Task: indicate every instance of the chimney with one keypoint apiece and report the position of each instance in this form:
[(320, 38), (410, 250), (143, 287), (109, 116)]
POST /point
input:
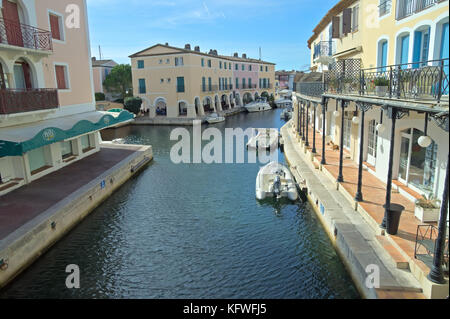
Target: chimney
[(236, 55), (187, 47), (167, 43), (94, 59), (215, 52), (244, 56), (211, 52), (197, 49)]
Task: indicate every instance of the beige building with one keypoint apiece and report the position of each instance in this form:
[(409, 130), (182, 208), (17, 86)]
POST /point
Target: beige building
[(181, 82), (47, 108)]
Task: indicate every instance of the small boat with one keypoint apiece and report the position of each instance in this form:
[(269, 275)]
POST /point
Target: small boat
[(275, 180), (286, 115), (283, 103), (215, 118), (265, 139), (259, 105)]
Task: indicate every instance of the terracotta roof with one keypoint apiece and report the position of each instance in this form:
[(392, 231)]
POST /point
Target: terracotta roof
[(338, 8), (225, 57)]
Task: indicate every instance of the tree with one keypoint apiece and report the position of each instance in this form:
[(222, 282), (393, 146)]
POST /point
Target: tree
[(119, 80), (133, 104)]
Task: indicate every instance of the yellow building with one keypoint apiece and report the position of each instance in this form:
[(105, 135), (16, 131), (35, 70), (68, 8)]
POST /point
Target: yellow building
[(184, 83)]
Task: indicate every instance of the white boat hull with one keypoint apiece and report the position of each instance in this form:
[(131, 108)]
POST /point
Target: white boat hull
[(258, 107), (265, 182)]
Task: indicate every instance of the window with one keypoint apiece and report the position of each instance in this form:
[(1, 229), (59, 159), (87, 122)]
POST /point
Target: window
[(236, 66), (203, 62), (249, 67), (180, 84), (260, 83), (36, 159), (167, 61), (61, 77), (160, 61), (237, 83), (382, 54), (249, 82), (179, 61), (56, 26), (168, 80), (209, 84), (355, 19), (162, 80), (261, 68), (220, 64), (66, 149), (243, 67), (243, 83), (347, 129), (142, 88), (372, 142), (85, 143), (226, 84), (203, 84), (267, 69), (140, 64), (209, 63), (229, 66)]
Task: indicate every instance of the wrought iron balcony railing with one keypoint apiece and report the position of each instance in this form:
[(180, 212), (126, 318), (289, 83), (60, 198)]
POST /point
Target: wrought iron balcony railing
[(25, 36), (324, 48), (14, 101), (209, 88), (428, 80), (248, 86), (384, 7), (406, 8)]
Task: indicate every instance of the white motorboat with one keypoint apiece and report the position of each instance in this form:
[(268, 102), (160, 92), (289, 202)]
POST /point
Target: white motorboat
[(286, 115), (283, 103), (215, 118), (259, 105), (265, 138), (275, 180)]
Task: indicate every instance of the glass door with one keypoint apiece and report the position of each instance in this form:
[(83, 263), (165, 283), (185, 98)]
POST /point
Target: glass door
[(404, 158), (372, 143)]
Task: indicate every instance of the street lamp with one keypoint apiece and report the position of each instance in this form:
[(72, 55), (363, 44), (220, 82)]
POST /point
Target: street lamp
[(425, 141)]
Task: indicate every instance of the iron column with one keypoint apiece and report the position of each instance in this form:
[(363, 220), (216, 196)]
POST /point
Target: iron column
[(340, 177)]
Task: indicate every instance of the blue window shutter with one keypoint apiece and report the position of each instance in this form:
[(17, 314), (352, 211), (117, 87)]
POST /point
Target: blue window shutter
[(142, 88), (417, 48), (404, 51)]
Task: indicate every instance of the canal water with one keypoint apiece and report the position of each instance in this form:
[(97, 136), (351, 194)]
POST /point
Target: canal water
[(191, 231)]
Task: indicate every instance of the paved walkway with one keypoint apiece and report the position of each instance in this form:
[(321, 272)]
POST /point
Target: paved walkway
[(27, 202), (374, 195), (355, 239)]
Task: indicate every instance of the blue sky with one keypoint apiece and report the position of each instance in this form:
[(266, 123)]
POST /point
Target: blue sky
[(280, 27)]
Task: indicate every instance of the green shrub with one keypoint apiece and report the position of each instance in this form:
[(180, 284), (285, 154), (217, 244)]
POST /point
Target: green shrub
[(381, 81), (99, 96), (133, 104)]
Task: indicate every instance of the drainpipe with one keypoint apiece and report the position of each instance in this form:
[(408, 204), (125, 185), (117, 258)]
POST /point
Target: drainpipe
[(359, 195), (340, 177), (436, 274), (307, 123), (324, 110), (314, 130)]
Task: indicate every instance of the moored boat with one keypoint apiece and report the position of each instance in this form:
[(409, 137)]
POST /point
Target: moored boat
[(215, 118), (275, 181), (259, 105)]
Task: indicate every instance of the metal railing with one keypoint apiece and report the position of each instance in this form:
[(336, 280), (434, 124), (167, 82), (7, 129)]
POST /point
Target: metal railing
[(428, 80), (315, 89), (406, 8), (384, 7), (324, 48), (25, 36), (248, 86), (425, 246), (28, 100), (209, 88)]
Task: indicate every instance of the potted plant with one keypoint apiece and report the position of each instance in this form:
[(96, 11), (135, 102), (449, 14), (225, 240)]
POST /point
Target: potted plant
[(427, 208), (381, 86)]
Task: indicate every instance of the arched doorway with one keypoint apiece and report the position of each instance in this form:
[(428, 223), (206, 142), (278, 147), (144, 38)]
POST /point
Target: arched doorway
[(207, 105), (161, 107), (417, 165), (182, 108), (224, 102), (247, 98)]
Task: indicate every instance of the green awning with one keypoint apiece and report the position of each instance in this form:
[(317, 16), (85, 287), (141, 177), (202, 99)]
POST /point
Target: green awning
[(17, 140)]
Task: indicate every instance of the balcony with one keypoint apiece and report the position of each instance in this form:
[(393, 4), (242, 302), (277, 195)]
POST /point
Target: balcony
[(24, 36), (426, 81), (384, 7), (209, 88), (323, 51), (248, 86), (406, 8), (227, 87), (13, 101)]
